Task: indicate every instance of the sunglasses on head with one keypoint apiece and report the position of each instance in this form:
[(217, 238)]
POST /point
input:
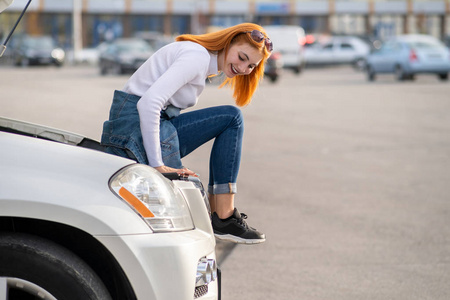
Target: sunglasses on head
[(258, 37)]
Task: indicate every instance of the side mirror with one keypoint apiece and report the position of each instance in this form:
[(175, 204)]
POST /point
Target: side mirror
[(4, 4)]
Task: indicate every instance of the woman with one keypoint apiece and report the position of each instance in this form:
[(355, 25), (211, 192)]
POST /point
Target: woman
[(145, 121)]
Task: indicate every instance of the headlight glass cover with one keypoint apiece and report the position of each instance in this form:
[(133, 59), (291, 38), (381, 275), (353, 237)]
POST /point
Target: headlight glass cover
[(153, 197)]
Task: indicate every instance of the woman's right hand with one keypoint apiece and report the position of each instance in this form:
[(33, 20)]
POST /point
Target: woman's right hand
[(184, 171)]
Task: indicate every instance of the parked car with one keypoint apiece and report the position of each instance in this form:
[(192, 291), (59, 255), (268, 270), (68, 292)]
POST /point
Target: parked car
[(288, 40), (273, 66), (78, 223), (338, 50), (37, 50), (408, 55), (124, 55)]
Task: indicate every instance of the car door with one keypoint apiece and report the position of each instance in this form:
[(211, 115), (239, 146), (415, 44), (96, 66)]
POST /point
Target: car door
[(326, 54), (383, 60), (344, 52)]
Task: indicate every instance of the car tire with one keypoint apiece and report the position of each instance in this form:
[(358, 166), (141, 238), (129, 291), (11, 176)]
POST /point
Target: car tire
[(46, 268), (273, 78), (103, 70), (443, 76), (400, 74), (370, 73)]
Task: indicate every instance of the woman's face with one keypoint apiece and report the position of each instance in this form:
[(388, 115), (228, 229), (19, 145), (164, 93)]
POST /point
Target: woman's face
[(242, 58)]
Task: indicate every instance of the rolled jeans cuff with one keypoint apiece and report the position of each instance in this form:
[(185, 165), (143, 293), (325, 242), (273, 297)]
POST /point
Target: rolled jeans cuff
[(225, 188)]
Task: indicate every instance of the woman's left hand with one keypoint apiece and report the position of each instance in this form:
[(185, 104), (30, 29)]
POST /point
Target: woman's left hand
[(184, 171)]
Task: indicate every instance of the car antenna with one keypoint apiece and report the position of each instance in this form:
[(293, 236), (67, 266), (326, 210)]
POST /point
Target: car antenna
[(3, 47)]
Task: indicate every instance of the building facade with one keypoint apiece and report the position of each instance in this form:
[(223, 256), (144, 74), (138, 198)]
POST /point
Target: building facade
[(106, 19)]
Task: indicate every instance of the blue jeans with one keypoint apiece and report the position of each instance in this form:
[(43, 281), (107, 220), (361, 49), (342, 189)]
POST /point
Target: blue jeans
[(122, 133), (224, 124)]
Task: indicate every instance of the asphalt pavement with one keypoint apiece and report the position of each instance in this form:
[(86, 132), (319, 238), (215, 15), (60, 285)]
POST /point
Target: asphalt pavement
[(350, 180)]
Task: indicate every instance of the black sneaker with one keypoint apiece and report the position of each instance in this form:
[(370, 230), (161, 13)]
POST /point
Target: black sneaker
[(235, 229)]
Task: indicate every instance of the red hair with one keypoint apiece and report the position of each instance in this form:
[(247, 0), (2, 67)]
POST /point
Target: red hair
[(243, 85)]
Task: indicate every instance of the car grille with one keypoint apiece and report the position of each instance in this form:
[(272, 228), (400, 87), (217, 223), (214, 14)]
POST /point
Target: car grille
[(200, 291)]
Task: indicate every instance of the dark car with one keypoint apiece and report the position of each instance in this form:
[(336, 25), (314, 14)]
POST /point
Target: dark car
[(37, 50), (124, 55), (273, 66)]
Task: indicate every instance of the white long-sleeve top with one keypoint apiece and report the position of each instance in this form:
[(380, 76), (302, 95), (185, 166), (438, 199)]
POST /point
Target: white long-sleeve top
[(176, 75)]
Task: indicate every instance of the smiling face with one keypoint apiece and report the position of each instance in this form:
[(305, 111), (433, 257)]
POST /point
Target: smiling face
[(241, 59)]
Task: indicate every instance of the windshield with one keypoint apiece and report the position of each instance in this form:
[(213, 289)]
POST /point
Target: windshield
[(133, 46), (41, 43), (425, 44)]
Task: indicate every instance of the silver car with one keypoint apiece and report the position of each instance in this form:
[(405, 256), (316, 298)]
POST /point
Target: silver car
[(408, 55), (338, 50), (77, 223), (124, 55)]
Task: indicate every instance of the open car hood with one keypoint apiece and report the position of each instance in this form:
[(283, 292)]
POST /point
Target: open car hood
[(4, 4), (47, 133)]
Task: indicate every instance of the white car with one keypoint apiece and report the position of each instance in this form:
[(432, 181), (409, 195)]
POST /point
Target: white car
[(338, 50), (288, 40), (77, 223)]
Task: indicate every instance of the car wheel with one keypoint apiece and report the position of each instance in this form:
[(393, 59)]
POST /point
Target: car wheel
[(273, 78), (370, 73), (103, 70), (400, 73), (32, 267), (443, 76)]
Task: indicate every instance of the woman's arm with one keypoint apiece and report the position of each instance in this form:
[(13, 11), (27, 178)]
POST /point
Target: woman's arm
[(186, 67)]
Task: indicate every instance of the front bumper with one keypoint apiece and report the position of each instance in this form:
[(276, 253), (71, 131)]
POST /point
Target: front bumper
[(438, 68), (164, 265)]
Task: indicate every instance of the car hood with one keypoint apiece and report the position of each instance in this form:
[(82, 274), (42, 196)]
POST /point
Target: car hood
[(61, 182)]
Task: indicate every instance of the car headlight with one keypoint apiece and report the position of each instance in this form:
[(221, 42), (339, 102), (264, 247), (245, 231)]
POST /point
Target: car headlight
[(58, 54), (153, 197)]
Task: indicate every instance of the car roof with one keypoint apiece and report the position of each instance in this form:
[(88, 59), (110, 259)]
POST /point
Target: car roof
[(415, 37)]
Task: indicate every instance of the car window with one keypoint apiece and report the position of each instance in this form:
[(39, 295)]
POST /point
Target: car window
[(388, 46), (328, 46), (130, 46), (346, 46), (111, 49), (424, 45), (39, 43)]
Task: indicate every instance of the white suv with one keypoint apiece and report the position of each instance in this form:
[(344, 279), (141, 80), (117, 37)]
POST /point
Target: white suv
[(77, 223), (288, 40)]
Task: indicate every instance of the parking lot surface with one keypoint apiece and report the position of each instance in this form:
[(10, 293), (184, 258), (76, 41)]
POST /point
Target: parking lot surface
[(348, 179)]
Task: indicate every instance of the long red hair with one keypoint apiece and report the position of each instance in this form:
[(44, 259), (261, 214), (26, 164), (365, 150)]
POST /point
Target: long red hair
[(243, 85)]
